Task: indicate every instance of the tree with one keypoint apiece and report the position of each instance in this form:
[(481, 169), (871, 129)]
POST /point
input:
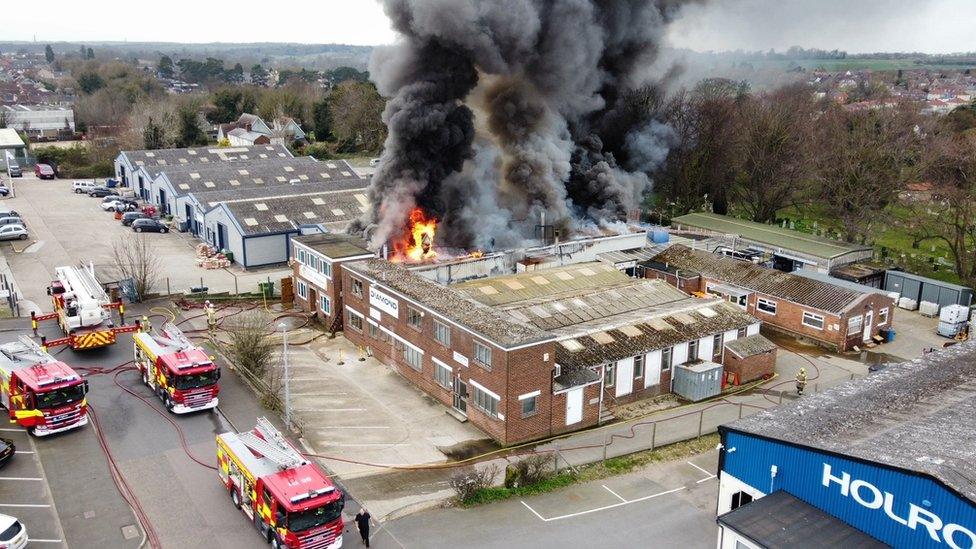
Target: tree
[(259, 76), (165, 67), (90, 82), (250, 348), (773, 148), (135, 259), (230, 103), (153, 135), (49, 54), (236, 74), (189, 133), (90, 54), (322, 120), (357, 110)]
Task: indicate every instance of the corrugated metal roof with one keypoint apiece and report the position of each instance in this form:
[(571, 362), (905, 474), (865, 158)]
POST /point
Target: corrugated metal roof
[(750, 346), (770, 235), (533, 284)]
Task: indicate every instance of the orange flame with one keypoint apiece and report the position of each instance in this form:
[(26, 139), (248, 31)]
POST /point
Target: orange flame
[(417, 242)]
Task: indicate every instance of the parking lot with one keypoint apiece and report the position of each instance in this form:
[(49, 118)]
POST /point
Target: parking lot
[(68, 229), (24, 491)]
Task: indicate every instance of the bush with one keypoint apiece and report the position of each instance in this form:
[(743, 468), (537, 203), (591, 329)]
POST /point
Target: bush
[(470, 481), (320, 151), (529, 470)]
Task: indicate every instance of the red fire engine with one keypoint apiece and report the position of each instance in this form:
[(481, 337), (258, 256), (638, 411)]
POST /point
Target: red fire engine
[(179, 372), (292, 503), (83, 310), (40, 393)]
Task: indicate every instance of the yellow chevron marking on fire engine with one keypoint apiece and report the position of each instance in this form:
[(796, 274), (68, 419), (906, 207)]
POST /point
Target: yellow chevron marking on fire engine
[(94, 339), (24, 414)]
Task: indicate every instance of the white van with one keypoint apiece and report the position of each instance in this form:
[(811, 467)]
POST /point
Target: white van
[(82, 187), (12, 533)]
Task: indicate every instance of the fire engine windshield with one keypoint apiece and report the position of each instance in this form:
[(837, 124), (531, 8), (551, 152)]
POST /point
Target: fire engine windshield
[(60, 397), (196, 380), (304, 520)]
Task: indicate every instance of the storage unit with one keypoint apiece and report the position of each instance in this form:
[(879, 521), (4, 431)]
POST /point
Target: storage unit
[(697, 381), (919, 289)]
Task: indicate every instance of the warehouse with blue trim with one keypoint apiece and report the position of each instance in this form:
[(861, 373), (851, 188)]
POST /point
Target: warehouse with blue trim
[(888, 460)]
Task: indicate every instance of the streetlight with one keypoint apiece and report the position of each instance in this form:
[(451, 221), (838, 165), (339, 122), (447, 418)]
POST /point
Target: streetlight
[(284, 341)]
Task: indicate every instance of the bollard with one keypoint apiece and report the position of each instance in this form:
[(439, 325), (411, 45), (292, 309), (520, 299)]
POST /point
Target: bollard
[(340, 363), (653, 434), (34, 322), (701, 419), (44, 343), (605, 437), (362, 354), (122, 314), (167, 287), (740, 410)]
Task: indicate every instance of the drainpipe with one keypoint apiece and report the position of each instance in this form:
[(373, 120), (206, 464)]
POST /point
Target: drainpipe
[(603, 377)]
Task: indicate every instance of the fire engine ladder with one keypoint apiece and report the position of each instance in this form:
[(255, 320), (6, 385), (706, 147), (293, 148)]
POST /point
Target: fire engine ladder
[(84, 276), (173, 336), (27, 349), (272, 446)]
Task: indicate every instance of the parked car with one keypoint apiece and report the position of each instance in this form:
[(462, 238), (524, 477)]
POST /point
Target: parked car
[(15, 171), (111, 197), (13, 535), (10, 220), (119, 205), (9, 213), (44, 171), (7, 450), (13, 232), (4, 190), (129, 217), (100, 192), (149, 226), (80, 187)]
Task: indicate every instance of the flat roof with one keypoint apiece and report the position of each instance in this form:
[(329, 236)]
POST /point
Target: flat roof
[(284, 213), (782, 521), (791, 287), (501, 290), (839, 282), (916, 415), (770, 235), (9, 138), (334, 245)]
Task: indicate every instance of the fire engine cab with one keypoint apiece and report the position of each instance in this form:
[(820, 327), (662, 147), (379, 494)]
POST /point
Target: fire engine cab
[(83, 310), (292, 503), (180, 373), (41, 394)]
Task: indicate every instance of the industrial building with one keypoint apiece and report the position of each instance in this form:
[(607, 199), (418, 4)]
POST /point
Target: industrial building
[(838, 317), (40, 121), (790, 250), (526, 345), (884, 461)]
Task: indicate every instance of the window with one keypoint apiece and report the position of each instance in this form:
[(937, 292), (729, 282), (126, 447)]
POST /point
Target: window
[(355, 321), (485, 402), (442, 375), (717, 345), (610, 375), (529, 404), (855, 324), (883, 317), (666, 359), (442, 333), (301, 256), (414, 318), (692, 350), (326, 305), (739, 499), (357, 287), (482, 354), (813, 321), (766, 306), (325, 268), (374, 331), (742, 332), (413, 357), (302, 290), (639, 366)]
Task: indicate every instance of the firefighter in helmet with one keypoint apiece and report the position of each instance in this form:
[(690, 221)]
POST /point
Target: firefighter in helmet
[(211, 316), (146, 324), (801, 381)]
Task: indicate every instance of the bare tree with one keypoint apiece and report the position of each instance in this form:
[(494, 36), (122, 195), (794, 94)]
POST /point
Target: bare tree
[(251, 348), (134, 258)]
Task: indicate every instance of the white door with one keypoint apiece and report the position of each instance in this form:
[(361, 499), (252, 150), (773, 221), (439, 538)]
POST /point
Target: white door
[(868, 322), (574, 406), (652, 369), (625, 377)]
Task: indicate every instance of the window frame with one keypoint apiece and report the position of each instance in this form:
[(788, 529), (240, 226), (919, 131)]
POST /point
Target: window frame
[(325, 304), (718, 343), (478, 346), (696, 345), (639, 361), (439, 328), (480, 399), (883, 313), (357, 287), (859, 329), (303, 290), (415, 318), (357, 317), (667, 364), (408, 352), (807, 314), (610, 375), (760, 302), (439, 370), (534, 399)]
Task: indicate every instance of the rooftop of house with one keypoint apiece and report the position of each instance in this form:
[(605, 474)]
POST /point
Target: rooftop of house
[(335, 245), (270, 172), (915, 415), (791, 287), (331, 209), (201, 155), (750, 346), (769, 235), (450, 303)]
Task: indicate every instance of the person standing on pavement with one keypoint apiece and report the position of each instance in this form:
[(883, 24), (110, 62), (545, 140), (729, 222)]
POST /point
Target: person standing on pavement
[(362, 522), (801, 381)]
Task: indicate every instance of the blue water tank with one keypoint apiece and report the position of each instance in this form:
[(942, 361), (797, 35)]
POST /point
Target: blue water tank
[(891, 335), (660, 237)]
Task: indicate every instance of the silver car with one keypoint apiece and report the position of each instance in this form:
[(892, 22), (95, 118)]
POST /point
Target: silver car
[(13, 232)]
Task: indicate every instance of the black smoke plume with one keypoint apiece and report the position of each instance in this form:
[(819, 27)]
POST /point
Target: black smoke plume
[(505, 110)]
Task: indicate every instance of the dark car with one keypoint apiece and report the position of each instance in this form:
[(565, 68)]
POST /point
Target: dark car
[(100, 192), (149, 226), (4, 190), (129, 217), (7, 450), (15, 171), (43, 171)]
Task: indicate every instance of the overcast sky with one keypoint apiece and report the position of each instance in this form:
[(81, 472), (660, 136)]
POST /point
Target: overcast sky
[(935, 26)]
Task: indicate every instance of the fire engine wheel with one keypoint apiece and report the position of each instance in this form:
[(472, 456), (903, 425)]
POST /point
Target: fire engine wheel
[(235, 497), (275, 542), (169, 403)]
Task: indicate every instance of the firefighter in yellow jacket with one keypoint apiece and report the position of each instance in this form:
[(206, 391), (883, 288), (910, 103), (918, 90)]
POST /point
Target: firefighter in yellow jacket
[(801, 381)]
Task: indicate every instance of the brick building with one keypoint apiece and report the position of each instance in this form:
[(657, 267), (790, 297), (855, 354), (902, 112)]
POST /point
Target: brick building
[(531, 355), (317, 261), (837, 317)]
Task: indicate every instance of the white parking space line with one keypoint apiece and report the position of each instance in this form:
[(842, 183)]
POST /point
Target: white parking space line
[(35, 540), (6, 430), (23, 452), (354, 427), (699, 468), (706, 479), (21, 478), (328, 409), (612, 492), (29, 505), (604, 508)]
